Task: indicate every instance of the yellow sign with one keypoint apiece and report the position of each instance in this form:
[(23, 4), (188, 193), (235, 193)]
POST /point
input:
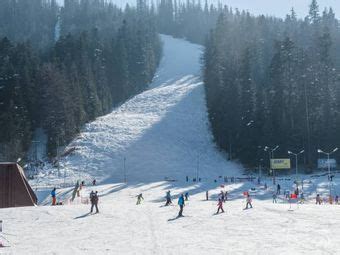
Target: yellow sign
[(282, 163)]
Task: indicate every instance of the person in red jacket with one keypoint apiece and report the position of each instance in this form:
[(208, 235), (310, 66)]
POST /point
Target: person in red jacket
[(220, 206)]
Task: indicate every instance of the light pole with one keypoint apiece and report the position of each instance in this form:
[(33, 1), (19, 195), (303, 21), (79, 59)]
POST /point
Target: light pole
[(271, 155), (329, 166), (125, 176), (260, 168), (296, 159)]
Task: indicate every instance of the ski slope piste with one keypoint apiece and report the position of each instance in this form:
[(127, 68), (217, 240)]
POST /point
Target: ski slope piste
[(163, 132)]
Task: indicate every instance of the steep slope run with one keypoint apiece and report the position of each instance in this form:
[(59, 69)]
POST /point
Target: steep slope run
[(160, 133)]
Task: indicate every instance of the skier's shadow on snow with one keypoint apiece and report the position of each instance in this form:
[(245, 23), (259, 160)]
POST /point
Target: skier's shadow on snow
[(83, 216), (176, 218)]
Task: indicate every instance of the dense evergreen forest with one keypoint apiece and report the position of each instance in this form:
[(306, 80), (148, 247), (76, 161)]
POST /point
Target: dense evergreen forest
[(63, 66), (274, 82), (268, 81), (191, 20)]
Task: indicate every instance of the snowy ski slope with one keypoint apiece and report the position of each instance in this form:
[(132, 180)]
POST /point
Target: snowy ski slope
[(121, 227), (162, 132)]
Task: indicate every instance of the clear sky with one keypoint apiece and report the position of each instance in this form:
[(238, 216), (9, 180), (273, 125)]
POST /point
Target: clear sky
[(277, 8), (281, 7)]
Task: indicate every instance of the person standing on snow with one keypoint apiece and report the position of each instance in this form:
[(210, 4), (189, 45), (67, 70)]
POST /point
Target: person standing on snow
[(302, 198), (94, 201), (336, 200), (220, 206), (221, 196), (278, 190), (318, 199), (139, 198), (168, 198), (249, 202), (207, 195), (274, 198), (181, 205), (186, 196), (75, 190), (54, 198)]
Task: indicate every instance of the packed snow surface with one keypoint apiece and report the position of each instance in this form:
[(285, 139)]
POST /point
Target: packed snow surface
[(122, 227), (160, 133)]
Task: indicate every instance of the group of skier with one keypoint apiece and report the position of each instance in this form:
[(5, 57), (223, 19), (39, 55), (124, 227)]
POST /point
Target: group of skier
[(222, 198), (180, 202)]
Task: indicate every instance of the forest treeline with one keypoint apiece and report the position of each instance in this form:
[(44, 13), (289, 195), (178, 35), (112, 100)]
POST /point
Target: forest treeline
[(64, 66), (191, 20), (272, 82), (268, 81)]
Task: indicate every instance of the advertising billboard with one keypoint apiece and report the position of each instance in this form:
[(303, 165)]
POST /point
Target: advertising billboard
[(283, 163), (323, 163)]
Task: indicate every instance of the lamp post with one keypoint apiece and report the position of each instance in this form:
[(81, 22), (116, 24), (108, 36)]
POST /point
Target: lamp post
[(329, 166), (260, 168), (271, 155), (296, 160), (124, 167)]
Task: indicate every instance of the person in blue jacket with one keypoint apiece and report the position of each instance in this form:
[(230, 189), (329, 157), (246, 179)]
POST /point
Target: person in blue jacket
[(181, 205), (53, 195)]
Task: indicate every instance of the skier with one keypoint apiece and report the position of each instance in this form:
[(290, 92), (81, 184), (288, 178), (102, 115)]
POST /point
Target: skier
[(278, 190), (318, 199), (226, 196), (168, 198), (94, 201), (249, 202), (139, 198), (75, 190), (274, 198), (207, 195), (53, 194), (330, 199), (181, 205), (336, 200), (186, 196), (94, 182), (79, 188), (220, 206), (287, 194), (221, 196), (302, 198)]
